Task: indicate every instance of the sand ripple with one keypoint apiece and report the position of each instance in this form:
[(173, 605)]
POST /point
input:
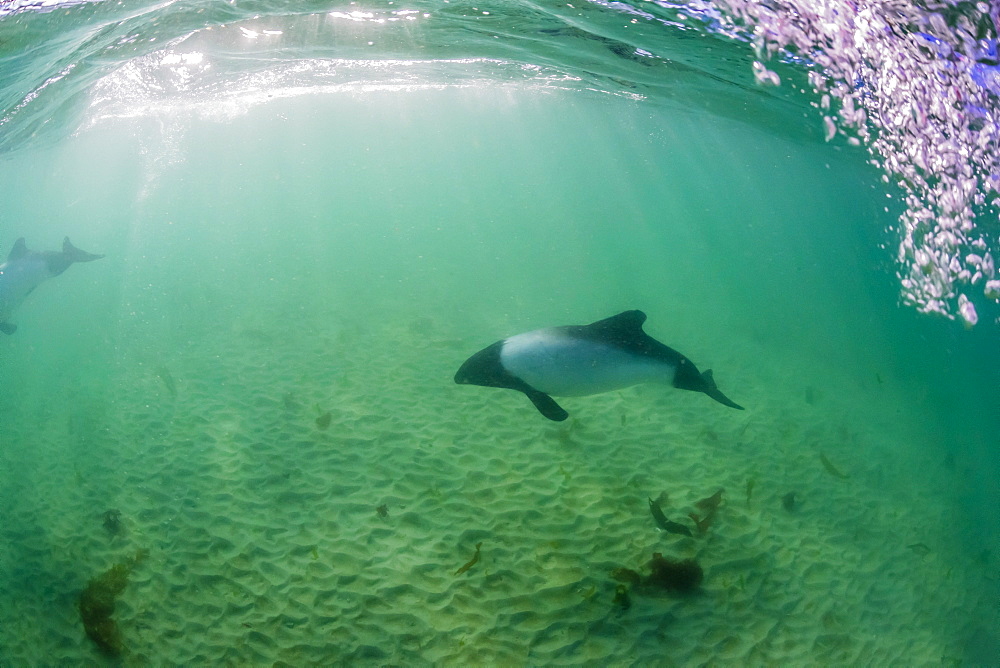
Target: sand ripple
[(266, 545)]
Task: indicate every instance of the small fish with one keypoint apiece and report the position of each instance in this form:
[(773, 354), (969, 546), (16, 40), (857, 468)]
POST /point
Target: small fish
[(288, 400), (258, 335), (626, 575), (750, 484), (113, 521), (654, 508), (622, 600), (168, 380), (677, 527), (323, 421), (709, 504), (472, 562), (703, 523), (664, 523), (788, 501), (831, 469)]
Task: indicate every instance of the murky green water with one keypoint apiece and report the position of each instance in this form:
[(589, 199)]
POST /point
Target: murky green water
[(280, 243)]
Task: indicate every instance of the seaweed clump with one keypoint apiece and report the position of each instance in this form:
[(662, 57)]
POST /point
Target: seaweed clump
[(97, 605), (680, 577), (708, 507), (676, 577)]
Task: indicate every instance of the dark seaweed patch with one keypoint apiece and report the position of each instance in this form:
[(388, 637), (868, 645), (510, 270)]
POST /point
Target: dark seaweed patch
[(97, 605)]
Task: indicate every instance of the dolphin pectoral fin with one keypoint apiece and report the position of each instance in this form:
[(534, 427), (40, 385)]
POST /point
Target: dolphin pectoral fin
[(546, 405), (712, 390), (7, 328)]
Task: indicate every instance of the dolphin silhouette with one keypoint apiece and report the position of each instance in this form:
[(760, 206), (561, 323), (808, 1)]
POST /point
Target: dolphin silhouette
[(580, 360), (25, 270)]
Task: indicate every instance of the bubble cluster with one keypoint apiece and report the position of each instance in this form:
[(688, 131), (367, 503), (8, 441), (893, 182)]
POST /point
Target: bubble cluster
[(917, 83)]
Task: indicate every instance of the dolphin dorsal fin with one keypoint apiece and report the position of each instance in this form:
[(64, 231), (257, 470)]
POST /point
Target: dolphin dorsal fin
[(19, 250), (626, 326), (624, 331)]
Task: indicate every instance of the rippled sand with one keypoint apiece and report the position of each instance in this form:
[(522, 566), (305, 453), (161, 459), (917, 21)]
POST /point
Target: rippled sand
[(266, 544)]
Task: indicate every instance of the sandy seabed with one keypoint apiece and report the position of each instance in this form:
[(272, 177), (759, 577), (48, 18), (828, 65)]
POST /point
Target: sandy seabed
[(266, 544)]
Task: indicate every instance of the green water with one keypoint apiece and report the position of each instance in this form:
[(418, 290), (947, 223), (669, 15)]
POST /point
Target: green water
[(346, 250), (483, 209), (481, 203)]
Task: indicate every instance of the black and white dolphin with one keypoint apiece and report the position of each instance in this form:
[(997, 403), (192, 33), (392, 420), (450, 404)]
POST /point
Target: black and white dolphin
[(25, 270), (580, 360)]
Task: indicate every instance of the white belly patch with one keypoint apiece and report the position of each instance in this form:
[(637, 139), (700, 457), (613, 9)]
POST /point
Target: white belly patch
[(556, 364)]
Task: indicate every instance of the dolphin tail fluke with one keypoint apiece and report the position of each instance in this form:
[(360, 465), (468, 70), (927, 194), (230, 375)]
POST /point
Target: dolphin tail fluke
[(74, 254), (712, 390)]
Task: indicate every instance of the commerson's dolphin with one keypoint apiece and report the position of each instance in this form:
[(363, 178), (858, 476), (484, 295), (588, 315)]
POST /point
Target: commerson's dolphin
[(579, 360), (25, 270)]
